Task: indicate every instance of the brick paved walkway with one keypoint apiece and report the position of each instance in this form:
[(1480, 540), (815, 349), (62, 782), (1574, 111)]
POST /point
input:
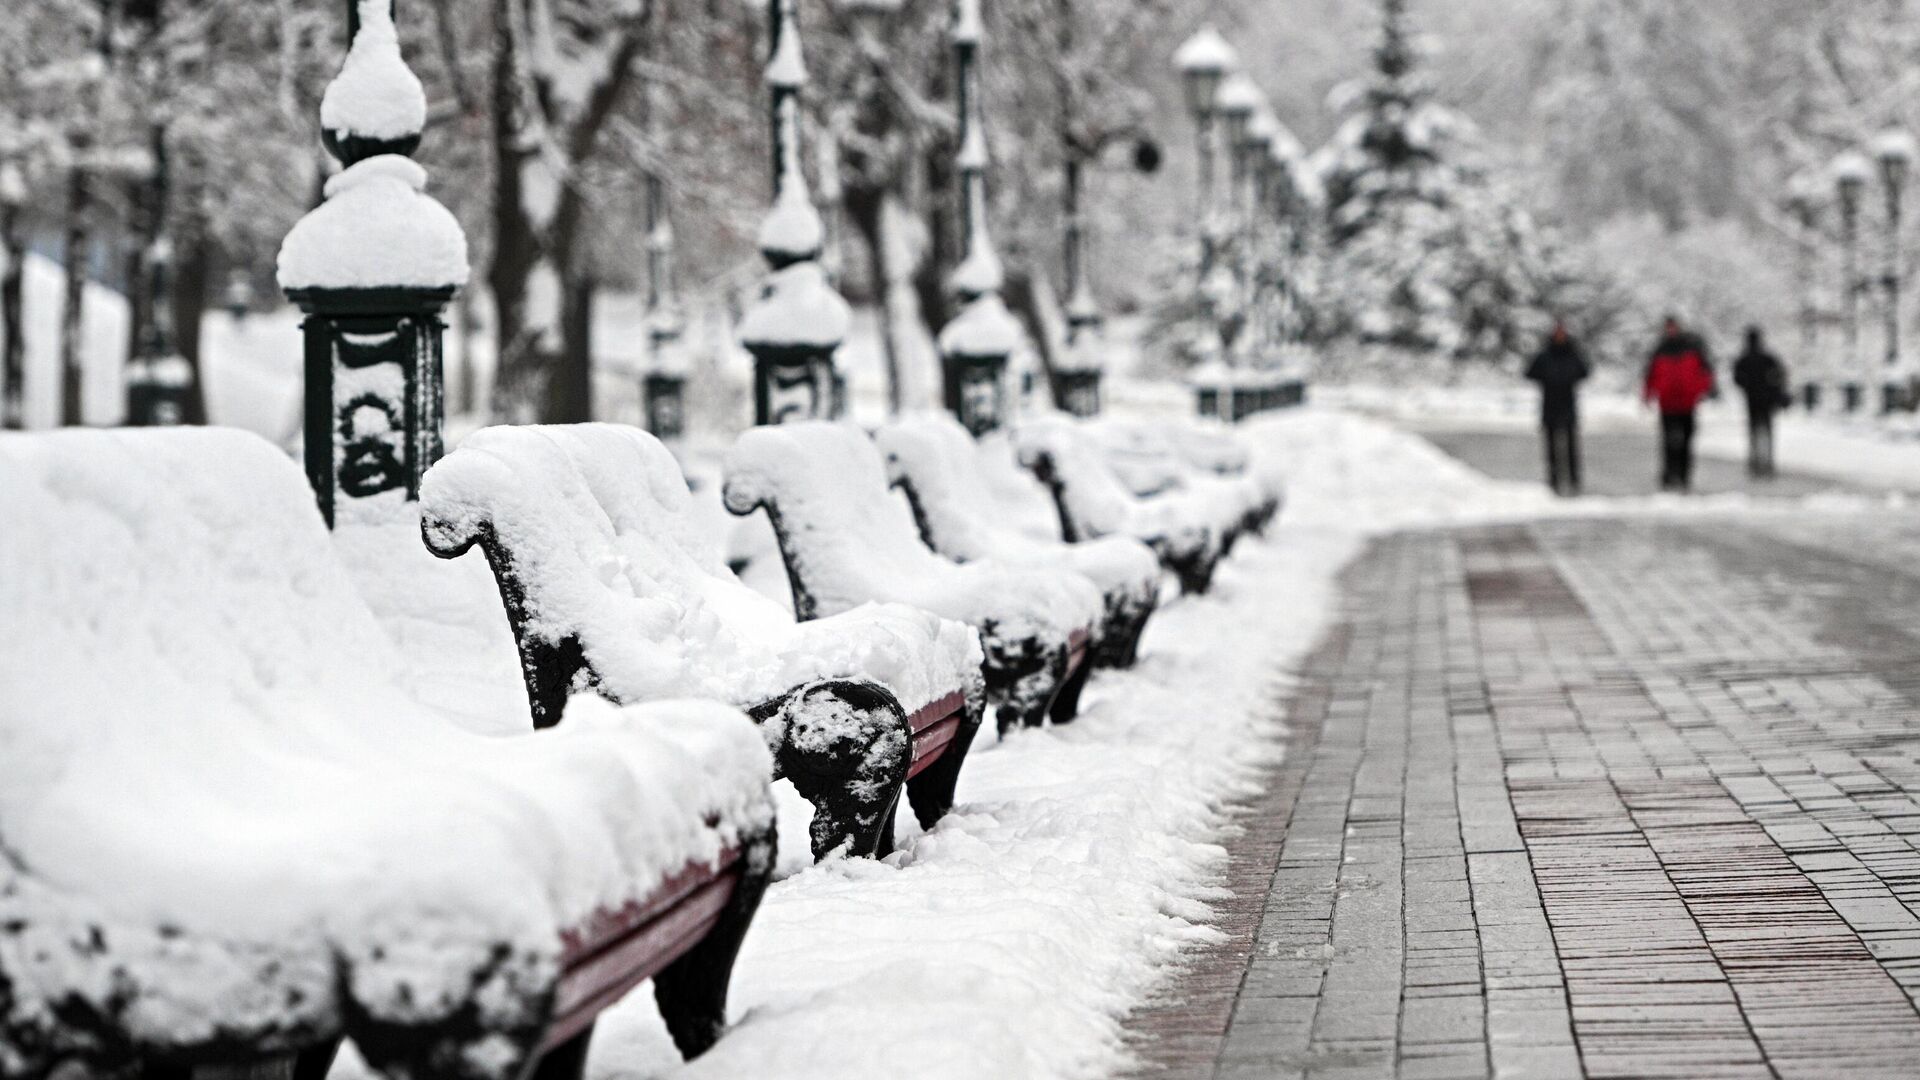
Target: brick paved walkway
[(1619, 463), (1610, 799)]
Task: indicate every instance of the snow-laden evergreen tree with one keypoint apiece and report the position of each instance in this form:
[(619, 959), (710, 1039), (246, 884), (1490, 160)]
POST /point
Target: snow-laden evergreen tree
[(1426, 251)]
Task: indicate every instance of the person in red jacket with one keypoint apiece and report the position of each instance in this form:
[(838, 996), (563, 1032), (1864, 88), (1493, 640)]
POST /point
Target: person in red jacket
[(1679, 377)]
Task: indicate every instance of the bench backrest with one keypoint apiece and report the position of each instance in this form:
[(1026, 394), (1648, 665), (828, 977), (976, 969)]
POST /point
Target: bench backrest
[(1143, 457), (172, 594), (1093, 502), (845, 536), (601, 561), (933, 460)]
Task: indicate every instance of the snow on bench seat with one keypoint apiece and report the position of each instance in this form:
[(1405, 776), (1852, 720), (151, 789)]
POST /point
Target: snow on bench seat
[(848, 541), (611, 584), (1151, 461), (933, 460), (225, 832)]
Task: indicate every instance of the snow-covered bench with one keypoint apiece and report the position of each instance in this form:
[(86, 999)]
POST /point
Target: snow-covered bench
[(227, 837), (936, 464), (1191, 531), (610, 584), (847, 541), (1211, 465)]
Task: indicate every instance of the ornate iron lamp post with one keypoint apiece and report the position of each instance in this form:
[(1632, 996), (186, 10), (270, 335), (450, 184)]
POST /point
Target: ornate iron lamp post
[(373, 268), (798, 322), (1894, 150), (1203, 62), (1077, 374), (1851, 173), (977, 343), (1803, 206)]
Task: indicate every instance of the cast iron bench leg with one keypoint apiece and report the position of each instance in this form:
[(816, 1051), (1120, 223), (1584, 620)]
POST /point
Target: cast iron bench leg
[(1025, 686), (692, 991), (568, 1061), (1066, 700), (1119, 646), (931, 793)]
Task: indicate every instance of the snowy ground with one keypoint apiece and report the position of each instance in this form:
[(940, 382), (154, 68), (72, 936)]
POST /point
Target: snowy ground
[(1012, 940)]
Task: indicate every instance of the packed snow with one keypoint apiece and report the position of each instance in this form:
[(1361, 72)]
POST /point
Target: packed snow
[(797, 308), (983, 328), (224, 816), (848, 541), (375, 96), (377, 229), (940, 466)]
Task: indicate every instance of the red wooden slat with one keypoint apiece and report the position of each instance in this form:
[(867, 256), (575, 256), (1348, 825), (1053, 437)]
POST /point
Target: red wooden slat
[(934, 727), (599, 980), (936, 711), (930, 743), (604, 927)]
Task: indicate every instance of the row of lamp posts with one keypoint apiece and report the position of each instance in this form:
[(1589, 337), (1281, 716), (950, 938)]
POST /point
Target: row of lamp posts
[(374, 266), (1229, 108), (798, 322), (1888, 158)]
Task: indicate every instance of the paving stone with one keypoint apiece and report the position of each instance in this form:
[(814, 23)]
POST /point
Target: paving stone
[(1585, 798)]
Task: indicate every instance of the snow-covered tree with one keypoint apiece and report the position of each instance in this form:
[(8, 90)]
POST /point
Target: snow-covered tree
[(560, 70), (1427, 251)]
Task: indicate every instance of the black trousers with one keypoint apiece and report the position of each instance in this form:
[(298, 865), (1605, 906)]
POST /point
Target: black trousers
[(1676, 451), (1563, 455), (1760, 442)]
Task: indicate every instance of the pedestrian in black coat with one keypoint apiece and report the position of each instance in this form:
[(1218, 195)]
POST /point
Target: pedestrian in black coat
[(1559, 369), (1763, 379)]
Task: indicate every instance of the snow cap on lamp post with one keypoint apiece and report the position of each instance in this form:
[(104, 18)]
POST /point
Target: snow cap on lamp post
[(798, 321), (1851, 172), (1203, 60), (1238, 99), (1895, 149), (373, 267), (976, 344)]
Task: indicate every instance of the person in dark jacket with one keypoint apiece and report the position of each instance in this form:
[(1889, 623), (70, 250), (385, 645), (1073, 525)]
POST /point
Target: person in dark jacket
[(1763, 379), (1679, 377), (1559, 369)]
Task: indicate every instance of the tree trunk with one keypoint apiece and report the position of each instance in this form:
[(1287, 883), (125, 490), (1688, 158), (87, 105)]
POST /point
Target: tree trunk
[(139, 296), (943, 227), (78, 241), (515, 248), (1031, 297), (570, 390), (13, 248), (192, 287), (468, 398), (866, 208)]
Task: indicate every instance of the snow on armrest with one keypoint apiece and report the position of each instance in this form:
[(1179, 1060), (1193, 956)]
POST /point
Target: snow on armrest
[(207, 769)]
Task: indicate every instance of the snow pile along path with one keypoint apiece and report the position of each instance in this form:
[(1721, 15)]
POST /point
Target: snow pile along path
[(1012, 939)]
